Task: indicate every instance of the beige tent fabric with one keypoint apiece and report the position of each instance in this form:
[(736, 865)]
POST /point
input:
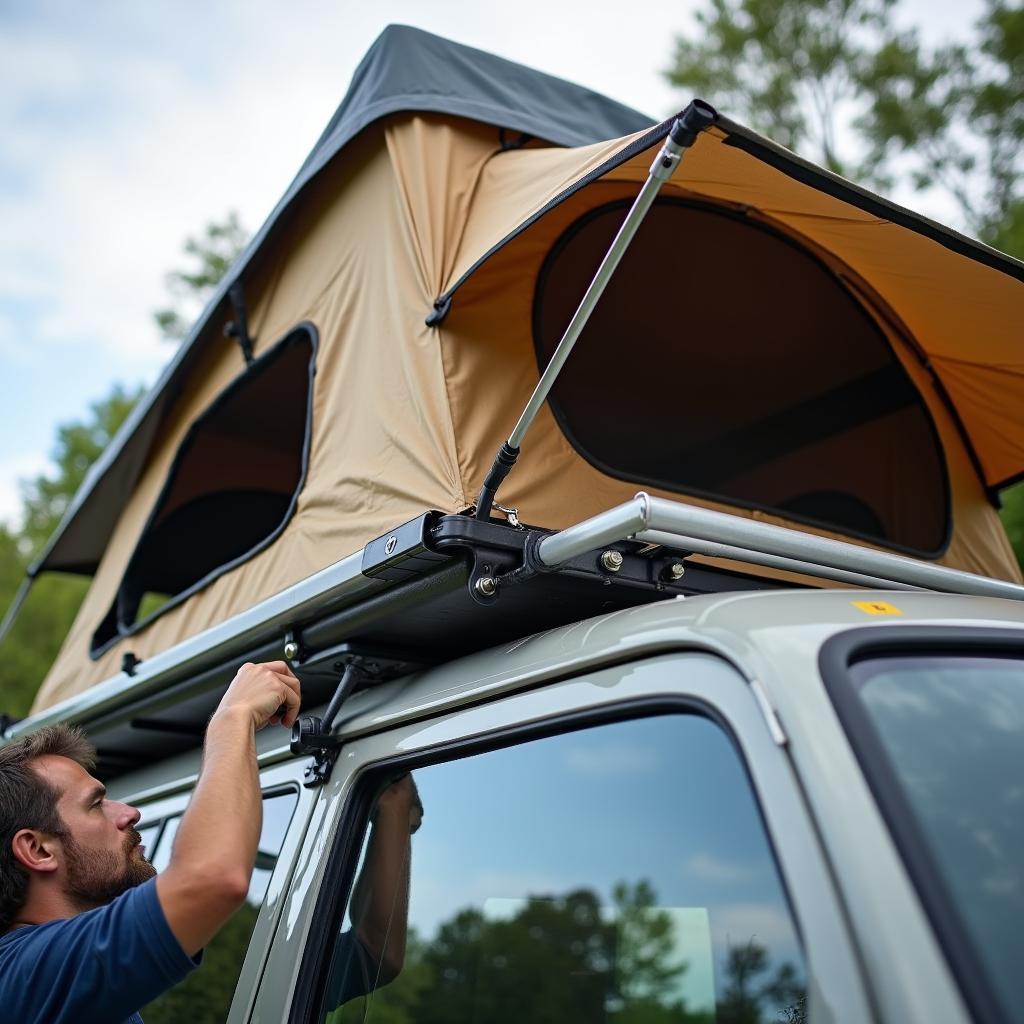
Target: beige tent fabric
[(407, 417), (966, 317), (357, 265)]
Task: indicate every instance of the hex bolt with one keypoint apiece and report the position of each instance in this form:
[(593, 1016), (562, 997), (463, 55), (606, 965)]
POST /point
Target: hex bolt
[(611, 560), (291, 650), (675, 571), (487, 586)]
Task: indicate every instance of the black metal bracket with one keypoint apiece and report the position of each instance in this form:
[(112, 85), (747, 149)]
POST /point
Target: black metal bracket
[(239, 327), (440, 310), (501, 556), (357, 665)]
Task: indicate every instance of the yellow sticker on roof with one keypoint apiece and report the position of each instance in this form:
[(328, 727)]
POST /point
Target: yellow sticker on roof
[(876, 607)]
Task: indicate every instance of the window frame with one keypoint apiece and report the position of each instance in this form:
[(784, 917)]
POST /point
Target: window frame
[(838, 654), (305, 329), (856, 300), (276, 778), (744, 727)]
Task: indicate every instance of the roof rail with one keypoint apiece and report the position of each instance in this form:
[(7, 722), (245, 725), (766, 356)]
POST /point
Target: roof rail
[(721, 535), (449, 570)]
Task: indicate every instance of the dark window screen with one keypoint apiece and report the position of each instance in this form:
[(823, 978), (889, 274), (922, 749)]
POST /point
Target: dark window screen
[(231, 489), (726, 361)]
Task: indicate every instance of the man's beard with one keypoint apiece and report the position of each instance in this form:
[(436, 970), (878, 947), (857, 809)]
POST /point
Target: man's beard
[(97, 877)]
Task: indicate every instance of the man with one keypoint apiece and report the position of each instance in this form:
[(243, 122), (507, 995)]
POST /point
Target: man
[(88, 932)]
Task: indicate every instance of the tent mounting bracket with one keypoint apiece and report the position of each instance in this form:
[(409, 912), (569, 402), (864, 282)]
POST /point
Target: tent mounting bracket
[(314, 735), (440, 310), (239, 327)]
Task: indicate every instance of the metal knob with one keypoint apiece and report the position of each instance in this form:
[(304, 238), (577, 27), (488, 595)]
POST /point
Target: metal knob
[(611, 560)]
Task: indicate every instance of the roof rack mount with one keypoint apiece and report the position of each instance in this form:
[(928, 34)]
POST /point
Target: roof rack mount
[(722, 535)]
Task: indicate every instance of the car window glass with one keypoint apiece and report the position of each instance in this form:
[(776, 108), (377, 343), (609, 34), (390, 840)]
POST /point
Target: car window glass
[(205, 996), (615, 874), (162, 856), (953, 730), (149, 835)]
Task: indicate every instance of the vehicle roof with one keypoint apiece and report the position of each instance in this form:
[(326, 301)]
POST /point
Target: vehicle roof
[(774, 637), (750, 629)]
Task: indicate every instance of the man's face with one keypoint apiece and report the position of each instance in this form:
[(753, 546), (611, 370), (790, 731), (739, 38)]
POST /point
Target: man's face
[(102, 853)]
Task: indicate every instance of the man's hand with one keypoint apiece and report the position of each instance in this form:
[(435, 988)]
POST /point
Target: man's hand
[(268, 693), (401, 802)]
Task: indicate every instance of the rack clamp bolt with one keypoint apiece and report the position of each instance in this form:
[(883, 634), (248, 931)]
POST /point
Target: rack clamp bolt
[(611, 560), (292, 647), (674, 572), (486, 586)]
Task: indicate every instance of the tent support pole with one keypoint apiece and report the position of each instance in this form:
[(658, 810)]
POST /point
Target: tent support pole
[(693, 120)]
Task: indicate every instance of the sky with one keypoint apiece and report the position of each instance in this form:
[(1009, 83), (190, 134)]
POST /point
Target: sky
[(126, 127)]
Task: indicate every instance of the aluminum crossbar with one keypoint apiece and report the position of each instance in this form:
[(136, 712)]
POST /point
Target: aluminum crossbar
[(719, 534)]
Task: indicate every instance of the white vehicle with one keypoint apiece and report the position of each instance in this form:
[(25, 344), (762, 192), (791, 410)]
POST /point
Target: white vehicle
[(741, 747)]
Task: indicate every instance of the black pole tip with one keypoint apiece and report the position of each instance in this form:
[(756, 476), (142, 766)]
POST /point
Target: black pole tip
[(691, 122)]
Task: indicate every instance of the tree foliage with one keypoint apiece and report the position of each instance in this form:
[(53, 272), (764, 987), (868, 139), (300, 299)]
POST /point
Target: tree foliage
[(565, 959), (788, 67), (79, 444), (838, 82), (210, 255), (44, 621)]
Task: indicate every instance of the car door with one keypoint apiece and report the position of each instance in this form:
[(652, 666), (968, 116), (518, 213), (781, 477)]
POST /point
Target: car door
[(628, 844), (224, 986)]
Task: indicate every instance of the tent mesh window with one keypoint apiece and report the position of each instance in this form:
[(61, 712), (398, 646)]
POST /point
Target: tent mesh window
[(725, 361), (231, 489)]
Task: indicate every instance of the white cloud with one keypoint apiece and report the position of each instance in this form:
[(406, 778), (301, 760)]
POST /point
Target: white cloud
[(704, 867), (12, 472), (611, 760), (766, 924)]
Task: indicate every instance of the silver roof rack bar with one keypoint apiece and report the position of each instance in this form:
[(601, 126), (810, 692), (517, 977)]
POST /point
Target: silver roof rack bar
[(714, 550), (673, 524)]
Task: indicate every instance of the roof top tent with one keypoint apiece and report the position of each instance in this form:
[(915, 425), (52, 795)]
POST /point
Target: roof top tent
[(777, 344)]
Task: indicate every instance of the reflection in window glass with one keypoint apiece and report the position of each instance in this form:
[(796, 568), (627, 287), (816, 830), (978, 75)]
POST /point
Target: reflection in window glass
[(617, 874), (205, 996), (162, 857), (149, 835), (954, 731)]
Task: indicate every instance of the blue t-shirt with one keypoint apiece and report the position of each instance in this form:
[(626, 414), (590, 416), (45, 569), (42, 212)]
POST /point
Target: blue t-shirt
[(96, 968)]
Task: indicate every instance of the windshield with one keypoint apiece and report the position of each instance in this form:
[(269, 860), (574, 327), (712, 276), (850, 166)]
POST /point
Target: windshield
[(952, 731)]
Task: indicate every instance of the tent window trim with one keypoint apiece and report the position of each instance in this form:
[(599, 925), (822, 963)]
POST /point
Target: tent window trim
[(304, 332), (562, 242)]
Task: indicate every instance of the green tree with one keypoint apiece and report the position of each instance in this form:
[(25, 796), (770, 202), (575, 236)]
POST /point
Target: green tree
[(79, 444), (949, 118), (558, 959), (39, 630), (789, 68), (748, 993), (29, 649), (211, 254)]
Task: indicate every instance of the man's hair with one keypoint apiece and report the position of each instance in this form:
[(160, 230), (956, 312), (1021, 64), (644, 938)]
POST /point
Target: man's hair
[(27, 800)]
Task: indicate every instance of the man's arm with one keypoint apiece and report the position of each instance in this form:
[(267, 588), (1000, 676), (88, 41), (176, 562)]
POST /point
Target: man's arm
[(380, 900), (211, 865)]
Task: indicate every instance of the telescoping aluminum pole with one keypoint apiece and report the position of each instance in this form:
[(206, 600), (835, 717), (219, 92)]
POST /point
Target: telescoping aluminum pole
[(693, 120)]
